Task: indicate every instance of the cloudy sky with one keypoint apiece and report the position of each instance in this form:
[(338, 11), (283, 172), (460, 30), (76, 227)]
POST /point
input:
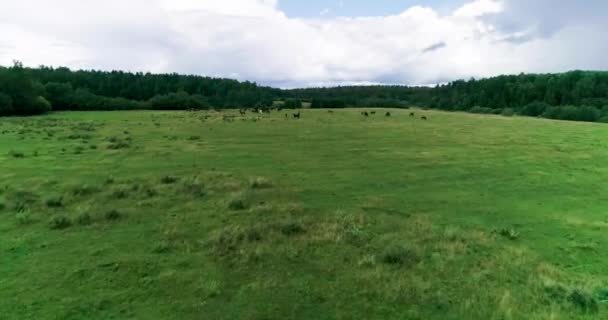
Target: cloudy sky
[(294, 43)]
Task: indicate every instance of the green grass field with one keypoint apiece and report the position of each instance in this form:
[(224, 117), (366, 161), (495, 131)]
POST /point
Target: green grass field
[(206, 215)]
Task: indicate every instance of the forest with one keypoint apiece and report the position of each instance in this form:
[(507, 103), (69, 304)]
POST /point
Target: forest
[(575, 95)]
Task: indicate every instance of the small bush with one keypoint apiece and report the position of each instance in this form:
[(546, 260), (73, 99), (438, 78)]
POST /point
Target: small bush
[(113, 215), (508, 112), (60, 222), (168, 180), (84, 219), (398, 255), (194, 138), (2, 206), (54, 202), (261, 183)]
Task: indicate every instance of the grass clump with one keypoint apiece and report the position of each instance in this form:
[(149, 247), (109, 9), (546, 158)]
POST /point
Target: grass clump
[(120, 194), (16, 154), (23, 218), (84, 219), (260, 183), (237, 204), (60, 222), (113, 215), (84, 190), (292, 228), (508, 233), (194, 187), (56, 202), (584, 301), (162, 247), (398, 255), (228, 240), (168, 180)]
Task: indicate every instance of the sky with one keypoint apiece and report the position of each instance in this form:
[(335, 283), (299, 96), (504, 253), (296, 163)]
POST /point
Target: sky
[(295, 43)]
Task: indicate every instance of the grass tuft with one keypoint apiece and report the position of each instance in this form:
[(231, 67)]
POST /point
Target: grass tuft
[(113, 215), (168, 180), (398, 255), (60, 222), (260, 183), (56, 202), (84, 219)]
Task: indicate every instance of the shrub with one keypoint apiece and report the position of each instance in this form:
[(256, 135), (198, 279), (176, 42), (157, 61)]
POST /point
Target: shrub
[(60, 222), (398, 255), (481, 110), (534, 109), (113, 215), (573, 113), (508, 112)]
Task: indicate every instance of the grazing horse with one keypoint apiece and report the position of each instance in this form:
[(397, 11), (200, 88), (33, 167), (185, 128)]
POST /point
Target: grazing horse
[(330, 111), (365, 113), (424, 118), (286, 116), (242, 112), (296, 115), (412, 114), (388, 114), (373, 112)]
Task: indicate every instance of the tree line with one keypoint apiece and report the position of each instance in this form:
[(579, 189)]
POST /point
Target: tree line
[(575, 95), (26, 91)]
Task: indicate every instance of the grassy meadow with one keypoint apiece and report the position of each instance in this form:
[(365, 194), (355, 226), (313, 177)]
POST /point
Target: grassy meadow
[(214, 215)]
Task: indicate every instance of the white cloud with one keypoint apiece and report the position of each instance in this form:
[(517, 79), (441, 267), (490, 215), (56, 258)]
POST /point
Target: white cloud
[(324, 12), (254, 40)]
